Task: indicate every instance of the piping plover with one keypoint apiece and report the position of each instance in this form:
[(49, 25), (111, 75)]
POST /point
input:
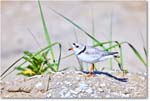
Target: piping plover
[(91, 55)]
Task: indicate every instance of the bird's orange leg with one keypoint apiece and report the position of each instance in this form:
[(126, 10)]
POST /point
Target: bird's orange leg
[(91, 73)]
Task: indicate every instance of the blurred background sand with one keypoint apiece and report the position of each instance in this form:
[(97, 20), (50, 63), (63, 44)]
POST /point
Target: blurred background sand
[(128, 21)]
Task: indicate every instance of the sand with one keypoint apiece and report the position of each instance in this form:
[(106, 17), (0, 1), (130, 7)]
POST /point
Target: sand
[(76, 85)]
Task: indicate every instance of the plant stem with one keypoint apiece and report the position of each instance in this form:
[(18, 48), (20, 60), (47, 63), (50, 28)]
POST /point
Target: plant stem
[(46, 31), (110, 44)]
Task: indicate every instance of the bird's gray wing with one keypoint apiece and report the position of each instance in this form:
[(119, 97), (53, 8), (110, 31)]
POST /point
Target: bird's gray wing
[(94, 51)]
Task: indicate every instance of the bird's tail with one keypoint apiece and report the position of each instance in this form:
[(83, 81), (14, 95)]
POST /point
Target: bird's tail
[(112, 53), (115, 54)]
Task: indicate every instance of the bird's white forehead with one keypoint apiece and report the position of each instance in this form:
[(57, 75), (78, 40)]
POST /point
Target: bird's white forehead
[(77, 46)]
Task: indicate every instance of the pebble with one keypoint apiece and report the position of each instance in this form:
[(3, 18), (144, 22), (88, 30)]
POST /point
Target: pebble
[(100, 89), (103, 85), (128, 74), (57, 83), (78, 90), (68, 83), (39, 85), (142, 78), (59, 73), (48, 95), (78, 78), (107, 96), (83, 86), (145, 74), (89, 90), (68, 94), (63, 91), (74, 92)]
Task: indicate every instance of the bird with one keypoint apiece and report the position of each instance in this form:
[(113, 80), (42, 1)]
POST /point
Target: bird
[(91, 55)]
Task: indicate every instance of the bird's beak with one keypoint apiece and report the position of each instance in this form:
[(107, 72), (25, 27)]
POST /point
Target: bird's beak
[(70, 49)]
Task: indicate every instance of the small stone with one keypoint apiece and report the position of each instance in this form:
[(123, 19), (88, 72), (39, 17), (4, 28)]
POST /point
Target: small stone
[(142, 78), (78, 72), (125, 95), (39, 85), (89, 90), (107, 96), (59, 73), (100, 89), (128, 74), (103, 85), (94, 95), (74, 92), (63, 91), (57, 83), (48, 95), (68, 83), (114, 93), (36, 76), (145, 74), (78, 90), (68, 94), (77, 78), (83, 86), (61, 94)]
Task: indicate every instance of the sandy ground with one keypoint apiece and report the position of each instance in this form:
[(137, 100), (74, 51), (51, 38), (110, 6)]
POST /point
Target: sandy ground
[(75, 84), (129, 20)]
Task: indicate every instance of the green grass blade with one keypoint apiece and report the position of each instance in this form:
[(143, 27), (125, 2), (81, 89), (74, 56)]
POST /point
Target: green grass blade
[(20, 68), (35, 39), (93, 25), (48, 47), (76, 25), (46, 31), (75, 35), (67, 56), (59, 58), (110, 35), (11, 66), (114, 46), (121, 54), (145, 51), (133, 49), (64, 69), (99, 43), (93, 30), (25, 61), (137, 54), (104, 43)]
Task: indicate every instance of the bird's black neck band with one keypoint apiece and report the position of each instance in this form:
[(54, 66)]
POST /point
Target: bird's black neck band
[(82, 51)]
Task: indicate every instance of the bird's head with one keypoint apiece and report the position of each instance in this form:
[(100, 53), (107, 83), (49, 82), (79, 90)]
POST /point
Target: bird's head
[(76, 47)]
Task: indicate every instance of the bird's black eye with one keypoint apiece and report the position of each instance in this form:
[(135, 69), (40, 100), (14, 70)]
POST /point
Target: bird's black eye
[(77, 46), (74, 44)]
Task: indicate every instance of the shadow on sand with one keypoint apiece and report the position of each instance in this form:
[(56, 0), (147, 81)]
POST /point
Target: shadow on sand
[(109, 75)]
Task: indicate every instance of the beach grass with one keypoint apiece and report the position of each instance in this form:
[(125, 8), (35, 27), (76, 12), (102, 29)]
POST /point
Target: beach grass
[(113, 44)]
